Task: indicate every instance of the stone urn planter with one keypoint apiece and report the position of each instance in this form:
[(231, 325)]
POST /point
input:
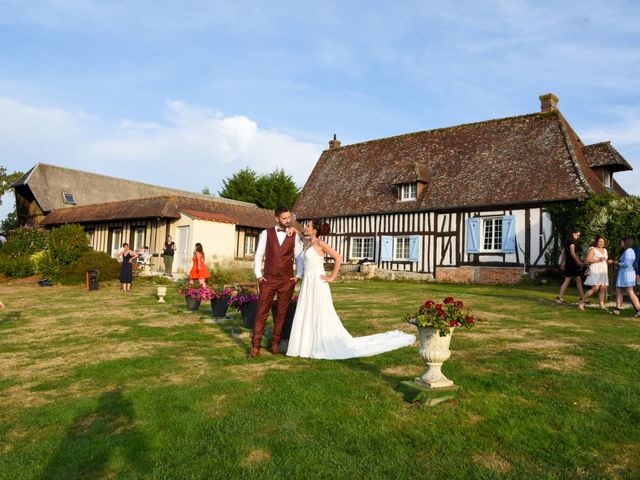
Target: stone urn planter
[(434, 350), (161, 292), (248, 313), (192, 304), (219, 306)]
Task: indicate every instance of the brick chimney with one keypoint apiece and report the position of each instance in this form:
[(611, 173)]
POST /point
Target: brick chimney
[(548, 103), (334, 143)]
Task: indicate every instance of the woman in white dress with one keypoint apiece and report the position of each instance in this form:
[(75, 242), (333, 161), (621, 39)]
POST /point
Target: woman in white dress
[(317, 331), (598, 278)]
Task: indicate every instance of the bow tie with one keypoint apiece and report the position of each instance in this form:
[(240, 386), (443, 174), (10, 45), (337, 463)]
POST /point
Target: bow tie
[(280, 230)]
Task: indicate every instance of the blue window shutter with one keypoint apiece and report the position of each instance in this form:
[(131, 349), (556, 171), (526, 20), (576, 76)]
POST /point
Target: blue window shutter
[(508, 234), (473, 235), (386, 248), (414, 248)]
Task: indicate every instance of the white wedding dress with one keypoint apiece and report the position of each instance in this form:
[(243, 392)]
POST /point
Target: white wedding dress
[(317, 331)]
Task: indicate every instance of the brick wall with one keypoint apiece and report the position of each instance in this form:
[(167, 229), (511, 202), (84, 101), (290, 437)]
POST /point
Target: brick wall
[(484, 275), (455, 274)]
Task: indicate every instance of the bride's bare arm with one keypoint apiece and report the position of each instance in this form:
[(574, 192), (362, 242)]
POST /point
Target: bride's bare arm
[(337, 260)]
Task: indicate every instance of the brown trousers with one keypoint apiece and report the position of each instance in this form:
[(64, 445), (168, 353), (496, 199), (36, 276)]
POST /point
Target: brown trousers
[(284, 287)]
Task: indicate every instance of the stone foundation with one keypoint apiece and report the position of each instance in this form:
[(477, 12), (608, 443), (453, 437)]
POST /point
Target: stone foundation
[(466, 274), (483, 275)]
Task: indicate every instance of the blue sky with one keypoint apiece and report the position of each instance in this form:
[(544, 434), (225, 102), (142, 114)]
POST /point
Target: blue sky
[(185, 93)]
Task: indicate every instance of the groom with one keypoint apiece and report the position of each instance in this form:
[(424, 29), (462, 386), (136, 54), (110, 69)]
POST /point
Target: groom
[(279, 252)]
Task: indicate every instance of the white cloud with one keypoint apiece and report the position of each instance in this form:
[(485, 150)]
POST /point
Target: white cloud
[(190, 148)]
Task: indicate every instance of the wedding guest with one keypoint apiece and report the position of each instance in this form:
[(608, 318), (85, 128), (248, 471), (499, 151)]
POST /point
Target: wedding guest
[(570, 262), (626, 278), (1, 305), (126, 268), (168, 251), (199, 270), (598, 276)]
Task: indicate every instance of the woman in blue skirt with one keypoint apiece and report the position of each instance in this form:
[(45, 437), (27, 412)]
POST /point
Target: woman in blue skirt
[(626, 279)]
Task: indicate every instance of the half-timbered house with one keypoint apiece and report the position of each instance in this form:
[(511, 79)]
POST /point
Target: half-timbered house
[(463, 203)]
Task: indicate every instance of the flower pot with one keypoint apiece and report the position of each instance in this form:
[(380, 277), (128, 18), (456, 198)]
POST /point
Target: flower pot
[(248, 312), (288, 320), (192, 303), (434, 350), (219, 306), (161, 291)]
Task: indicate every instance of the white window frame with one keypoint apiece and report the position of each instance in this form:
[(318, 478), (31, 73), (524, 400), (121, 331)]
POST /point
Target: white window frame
[(91, 234), (70, 200), (607, 178), (250, 243), (139, 233), (404, 239), (353, 254), (408, 191), (116, 241), (495, 244)]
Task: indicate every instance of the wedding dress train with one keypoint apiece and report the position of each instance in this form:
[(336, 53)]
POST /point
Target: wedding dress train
[(317, 331)]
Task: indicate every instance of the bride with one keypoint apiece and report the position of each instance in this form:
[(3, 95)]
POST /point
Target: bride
[(317, 331)]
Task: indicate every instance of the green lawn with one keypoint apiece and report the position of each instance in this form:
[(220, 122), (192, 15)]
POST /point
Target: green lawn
[(106, 385)]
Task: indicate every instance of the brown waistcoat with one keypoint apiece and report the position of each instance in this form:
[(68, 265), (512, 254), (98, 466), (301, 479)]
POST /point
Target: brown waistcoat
[(279, 258)]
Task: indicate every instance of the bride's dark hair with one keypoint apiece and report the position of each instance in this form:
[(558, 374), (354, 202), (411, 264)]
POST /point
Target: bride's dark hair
[(321, 227)]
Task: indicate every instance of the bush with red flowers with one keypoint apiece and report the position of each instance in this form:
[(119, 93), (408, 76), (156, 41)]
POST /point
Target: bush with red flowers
[(442, 316)]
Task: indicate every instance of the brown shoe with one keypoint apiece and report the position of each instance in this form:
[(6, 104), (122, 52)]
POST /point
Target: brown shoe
[(275, 349), (255, 352)]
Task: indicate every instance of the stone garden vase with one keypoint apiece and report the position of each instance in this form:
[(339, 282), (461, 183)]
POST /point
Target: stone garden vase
[(161, 291), (434, 350), (192, 303)]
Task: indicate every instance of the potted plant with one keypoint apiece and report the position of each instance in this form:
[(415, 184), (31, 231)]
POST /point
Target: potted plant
[(161, 288), (245, 300), (436, 322), (194, 296), (288, 320), (220, 301)]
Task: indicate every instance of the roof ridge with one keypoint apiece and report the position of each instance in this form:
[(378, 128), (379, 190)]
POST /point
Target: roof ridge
[(462, 125), (199, 195)]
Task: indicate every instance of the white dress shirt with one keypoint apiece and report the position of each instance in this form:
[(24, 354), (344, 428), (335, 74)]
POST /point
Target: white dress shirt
[(262, 246)]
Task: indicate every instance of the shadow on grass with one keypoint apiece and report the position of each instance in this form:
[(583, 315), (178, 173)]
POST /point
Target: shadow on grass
[(9, 317), (96, 438)]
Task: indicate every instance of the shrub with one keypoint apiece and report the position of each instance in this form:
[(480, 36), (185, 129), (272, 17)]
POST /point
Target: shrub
[(26, 241), (44, 265), (20, 266), (75, 272), (67, 243), (231, 272)]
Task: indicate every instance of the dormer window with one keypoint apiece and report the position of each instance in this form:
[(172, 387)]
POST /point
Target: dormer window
[(408, 191), (68, 198), (607, 179)]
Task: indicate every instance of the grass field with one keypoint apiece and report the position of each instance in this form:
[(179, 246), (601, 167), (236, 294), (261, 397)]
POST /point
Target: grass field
[(106, 385)]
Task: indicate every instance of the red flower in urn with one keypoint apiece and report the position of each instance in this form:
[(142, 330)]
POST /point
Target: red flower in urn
[(442, 316)]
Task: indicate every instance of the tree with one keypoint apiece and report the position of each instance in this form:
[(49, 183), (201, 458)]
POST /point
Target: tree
[(10, 222), (241, 186), (277, 189), (6, 179), (266, 191), (206, 190)]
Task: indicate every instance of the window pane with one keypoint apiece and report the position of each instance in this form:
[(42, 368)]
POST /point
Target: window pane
[(488, 234), (497, 234), (249, 245)]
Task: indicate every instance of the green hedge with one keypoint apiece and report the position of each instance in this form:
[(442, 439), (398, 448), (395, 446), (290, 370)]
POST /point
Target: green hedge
[(75, 272)]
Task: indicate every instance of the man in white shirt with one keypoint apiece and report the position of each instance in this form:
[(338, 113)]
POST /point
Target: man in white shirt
[(279, 251)]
